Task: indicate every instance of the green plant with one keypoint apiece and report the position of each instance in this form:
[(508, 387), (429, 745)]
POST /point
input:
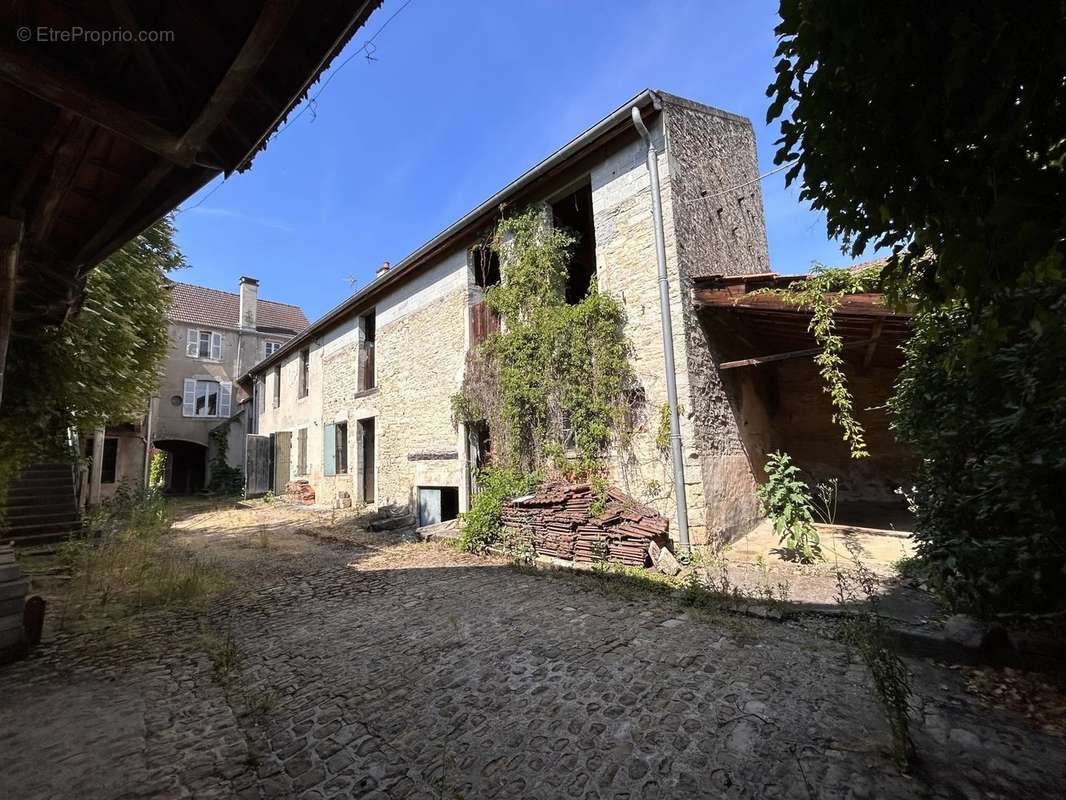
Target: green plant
[(863, 629), (555, 378), (662, 431), (826, 494), (269, 497), (157, 469), (482, 526), (821, 293), (225, 480), (988, 425), (787, 501), (224, 655)]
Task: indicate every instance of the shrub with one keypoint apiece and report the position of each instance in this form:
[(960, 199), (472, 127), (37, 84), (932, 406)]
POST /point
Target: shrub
[(787, 501), (482, 524), (989, 425)]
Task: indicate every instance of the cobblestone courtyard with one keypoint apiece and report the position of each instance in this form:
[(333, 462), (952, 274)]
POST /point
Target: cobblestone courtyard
[(375, 670)]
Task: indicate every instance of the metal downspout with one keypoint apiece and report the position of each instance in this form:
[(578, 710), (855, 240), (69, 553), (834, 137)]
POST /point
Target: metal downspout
[(668, 335)]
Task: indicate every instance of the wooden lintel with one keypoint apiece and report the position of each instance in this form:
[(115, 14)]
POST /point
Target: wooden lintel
[(72, 94), (267, 30), (813, 351)]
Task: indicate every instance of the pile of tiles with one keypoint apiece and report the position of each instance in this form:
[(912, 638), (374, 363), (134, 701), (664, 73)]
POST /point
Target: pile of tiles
[(300, 492), (558, 518)]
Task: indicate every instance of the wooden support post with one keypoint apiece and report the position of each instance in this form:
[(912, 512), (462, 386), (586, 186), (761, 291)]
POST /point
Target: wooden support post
[(10, 242), (96, 470), (875, 335)]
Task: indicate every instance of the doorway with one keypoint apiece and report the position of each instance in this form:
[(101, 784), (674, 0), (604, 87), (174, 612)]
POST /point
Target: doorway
[(437, 504), (367, 464), (186, 468)]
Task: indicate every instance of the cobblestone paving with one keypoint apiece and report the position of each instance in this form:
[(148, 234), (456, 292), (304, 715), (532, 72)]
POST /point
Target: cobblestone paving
[(415, 672)]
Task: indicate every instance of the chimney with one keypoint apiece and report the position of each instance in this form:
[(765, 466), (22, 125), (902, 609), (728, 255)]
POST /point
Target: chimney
[(382, 269), (249, 298)]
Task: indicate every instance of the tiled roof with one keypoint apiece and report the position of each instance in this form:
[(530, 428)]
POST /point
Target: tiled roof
[(199, 305)]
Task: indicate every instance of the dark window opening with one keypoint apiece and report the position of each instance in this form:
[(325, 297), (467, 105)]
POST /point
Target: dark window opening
[(341, 444), (574, 213), (486, 264), (109, 465), (365, 429), (437, 504), (367, 375), (305, 372)]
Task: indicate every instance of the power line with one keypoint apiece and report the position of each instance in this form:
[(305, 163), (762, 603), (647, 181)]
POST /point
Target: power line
[(368, 48), (732, 189)]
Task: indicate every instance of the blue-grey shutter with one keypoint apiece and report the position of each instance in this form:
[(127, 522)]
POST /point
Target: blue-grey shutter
[(192, 343), (216, 346), (225, 399), (329, 450), (188, 405)]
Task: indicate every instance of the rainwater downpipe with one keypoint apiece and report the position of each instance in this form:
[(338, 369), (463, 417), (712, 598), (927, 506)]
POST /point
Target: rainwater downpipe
[(668, 335)]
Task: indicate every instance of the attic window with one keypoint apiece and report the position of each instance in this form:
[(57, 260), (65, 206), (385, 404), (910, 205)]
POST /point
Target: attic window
[(485, 263), (574, 213)]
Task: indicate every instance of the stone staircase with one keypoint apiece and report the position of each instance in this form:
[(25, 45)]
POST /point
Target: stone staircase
[(41, 507)]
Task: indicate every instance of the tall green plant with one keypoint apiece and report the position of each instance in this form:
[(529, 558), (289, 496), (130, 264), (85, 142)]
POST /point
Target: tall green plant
[(786, 500)]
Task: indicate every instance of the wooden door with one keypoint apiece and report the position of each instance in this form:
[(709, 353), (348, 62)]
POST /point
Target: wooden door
[(366, 460), (282, 455)]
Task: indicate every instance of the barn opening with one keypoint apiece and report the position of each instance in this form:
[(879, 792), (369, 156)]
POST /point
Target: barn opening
[(186, 466), (437, 504), (574, 213)]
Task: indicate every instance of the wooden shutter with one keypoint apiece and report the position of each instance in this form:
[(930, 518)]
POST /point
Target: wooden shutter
[(192, 343), (216, 346), (188, 405), (225, 399), (329, 450)]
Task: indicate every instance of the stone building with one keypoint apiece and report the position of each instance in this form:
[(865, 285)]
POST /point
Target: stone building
[(359, 402), (215, 336)]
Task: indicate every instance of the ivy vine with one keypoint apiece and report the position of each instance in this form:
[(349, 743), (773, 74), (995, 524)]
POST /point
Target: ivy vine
[(554, 382), (821, 293)]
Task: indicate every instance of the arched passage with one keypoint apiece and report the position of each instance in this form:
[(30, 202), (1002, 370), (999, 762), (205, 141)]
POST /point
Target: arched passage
[(186, 465)]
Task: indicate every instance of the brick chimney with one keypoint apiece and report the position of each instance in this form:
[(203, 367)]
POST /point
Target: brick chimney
[(382, 269), (249, 298)]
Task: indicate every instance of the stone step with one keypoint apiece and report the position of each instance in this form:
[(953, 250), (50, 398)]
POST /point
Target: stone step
[(16, 588), (43, 482), (19, 533), (34, 515)]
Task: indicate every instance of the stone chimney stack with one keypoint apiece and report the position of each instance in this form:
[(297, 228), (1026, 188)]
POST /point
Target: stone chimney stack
[(249, 298), (382, 269)]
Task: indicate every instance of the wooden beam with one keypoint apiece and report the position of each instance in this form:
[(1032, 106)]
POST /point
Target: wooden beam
[(754, 362), (68, 158), (143, 53), (10, 241), (68, 92), (868, 358), (268, 29)]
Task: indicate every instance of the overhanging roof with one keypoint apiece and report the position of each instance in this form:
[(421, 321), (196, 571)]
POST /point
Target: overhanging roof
[(616, 124), (100, 139), (756, 328)]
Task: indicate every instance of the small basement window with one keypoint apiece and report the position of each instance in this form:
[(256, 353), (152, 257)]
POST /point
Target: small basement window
[(437, 504), (574, 213)]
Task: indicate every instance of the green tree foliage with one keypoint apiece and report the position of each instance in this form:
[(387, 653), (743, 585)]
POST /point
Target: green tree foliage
[(102, 365), (482, 525), (991, 434), (930, 128), (939, 130)]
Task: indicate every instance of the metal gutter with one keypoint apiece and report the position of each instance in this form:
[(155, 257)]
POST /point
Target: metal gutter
[(618, 121)]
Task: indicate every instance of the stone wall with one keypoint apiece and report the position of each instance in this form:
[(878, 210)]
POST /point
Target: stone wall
[(716, 204)]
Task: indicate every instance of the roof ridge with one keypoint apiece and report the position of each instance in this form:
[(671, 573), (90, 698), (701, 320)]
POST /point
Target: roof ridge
[(234, 294)]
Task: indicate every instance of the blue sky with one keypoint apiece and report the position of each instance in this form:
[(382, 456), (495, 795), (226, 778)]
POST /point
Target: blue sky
[(462, 97)]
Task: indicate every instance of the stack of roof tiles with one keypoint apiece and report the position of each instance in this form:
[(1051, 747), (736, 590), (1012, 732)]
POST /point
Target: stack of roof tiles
[(558, 518)]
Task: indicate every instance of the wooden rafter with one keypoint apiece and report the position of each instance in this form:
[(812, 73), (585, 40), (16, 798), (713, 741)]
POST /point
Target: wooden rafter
[(142, 52), (759, 360)]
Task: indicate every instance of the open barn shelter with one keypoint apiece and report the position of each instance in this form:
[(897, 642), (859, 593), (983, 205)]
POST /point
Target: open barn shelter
[(102, 136), (765, 354)]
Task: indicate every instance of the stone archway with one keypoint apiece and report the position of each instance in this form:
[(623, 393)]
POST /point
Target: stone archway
[(186, 471)]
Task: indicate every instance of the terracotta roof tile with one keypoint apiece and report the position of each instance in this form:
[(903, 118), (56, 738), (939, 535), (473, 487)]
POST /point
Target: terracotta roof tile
[(199, 305)]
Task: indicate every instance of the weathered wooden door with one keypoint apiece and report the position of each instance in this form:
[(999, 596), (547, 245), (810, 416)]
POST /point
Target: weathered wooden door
[(257, 465), (428, 506), (366, 460), (282, 454)]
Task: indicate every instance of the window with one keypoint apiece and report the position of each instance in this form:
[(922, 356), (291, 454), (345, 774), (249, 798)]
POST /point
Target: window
[(366, 460), (107, 474), (342, 448), (203, 344), (335, 449), (574, 213), (109, 463), (301, 451), (271, 347), (305, 372), (485, 263), (277, 386), (367, 376), (206, 398)]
